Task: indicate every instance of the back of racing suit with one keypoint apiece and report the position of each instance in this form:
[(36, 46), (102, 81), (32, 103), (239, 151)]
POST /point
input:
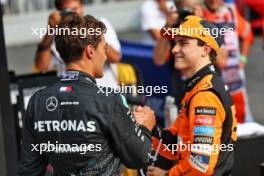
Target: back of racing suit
[(84, 129), (234, 77), (206, 123)]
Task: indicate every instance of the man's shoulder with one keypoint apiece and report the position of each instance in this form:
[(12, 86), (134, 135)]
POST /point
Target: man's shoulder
[(210, 81), (107, 92), (111, 94), (211, 84), (217, 87)]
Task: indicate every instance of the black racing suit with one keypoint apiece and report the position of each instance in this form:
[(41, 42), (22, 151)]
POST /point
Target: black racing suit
[(88, 131)]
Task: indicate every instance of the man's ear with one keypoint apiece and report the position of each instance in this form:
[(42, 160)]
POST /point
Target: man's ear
[(89, 51), (206, 50)]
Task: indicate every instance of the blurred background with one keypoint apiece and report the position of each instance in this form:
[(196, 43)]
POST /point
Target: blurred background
[(20, 16)]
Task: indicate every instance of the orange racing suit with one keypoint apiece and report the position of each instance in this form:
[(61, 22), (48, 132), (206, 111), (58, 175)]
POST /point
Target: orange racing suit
[(205, 123)]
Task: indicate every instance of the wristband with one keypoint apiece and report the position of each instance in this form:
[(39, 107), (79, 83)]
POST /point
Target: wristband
[(243, 59)]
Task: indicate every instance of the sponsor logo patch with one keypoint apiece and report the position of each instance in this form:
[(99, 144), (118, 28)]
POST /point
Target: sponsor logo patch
[(64, 125), (202, 140), (69, 103), (66, 89), (202, 148), (202, 120), (205, 111), (200, 162), (204, 130), (201, 158), (70, 76), (51, 103)]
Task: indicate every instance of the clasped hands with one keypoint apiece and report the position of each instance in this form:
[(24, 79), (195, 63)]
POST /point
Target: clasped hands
[(145, 116)]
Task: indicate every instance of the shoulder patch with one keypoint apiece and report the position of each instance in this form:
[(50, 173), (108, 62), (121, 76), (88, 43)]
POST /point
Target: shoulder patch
[(199, 162), (201, 130), (202, 110), (200, 139)]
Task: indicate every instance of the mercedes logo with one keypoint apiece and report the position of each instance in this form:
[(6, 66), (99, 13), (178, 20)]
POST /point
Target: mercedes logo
[(51, 103)]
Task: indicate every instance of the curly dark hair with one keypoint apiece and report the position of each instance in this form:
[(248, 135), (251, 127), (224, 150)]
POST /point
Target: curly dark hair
[(71, 47)]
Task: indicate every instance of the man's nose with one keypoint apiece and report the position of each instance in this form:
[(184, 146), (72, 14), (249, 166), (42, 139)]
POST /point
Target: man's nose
[(175, 49)]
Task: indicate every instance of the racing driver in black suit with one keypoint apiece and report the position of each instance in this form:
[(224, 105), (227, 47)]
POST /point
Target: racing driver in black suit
[(74, 125)]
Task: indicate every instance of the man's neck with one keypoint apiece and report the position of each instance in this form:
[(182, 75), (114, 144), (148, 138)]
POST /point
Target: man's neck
[(80, 67), (188, 73)]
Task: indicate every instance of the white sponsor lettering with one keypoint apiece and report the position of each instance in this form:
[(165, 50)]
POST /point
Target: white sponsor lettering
[(65, 125), (202, 148)]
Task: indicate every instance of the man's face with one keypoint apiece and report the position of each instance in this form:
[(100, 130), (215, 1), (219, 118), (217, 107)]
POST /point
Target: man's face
[(186, 52), (99, 58), (214, 5), (75, 5), (183, 3)]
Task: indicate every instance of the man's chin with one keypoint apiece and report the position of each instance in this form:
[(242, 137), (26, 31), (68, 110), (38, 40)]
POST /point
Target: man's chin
[(179, 66), (99, 75)]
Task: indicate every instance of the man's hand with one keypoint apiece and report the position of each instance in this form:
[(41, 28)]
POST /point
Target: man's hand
[(43, 54), (145, 117), (172, 17), (155, 171), (54, 18), (198, 10)]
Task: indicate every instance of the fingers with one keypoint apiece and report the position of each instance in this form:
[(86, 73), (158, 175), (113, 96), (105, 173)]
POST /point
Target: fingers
[(139, 108), (145, 117), (54, 18), (155, 171), (139, 116), (144, 109), (171, 19), (151, 168), (152, 171)]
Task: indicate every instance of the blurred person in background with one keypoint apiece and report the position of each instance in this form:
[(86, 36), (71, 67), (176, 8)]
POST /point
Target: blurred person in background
[(233, 56), (162, 50), (47, 57), (153, 14)]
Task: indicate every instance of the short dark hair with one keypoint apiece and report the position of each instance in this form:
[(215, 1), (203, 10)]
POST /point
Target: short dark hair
[(59, 3), (212, 53), (71, 47)]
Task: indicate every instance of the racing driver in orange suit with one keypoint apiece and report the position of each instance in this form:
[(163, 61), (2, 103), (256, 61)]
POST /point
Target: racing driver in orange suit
[(201, 139)]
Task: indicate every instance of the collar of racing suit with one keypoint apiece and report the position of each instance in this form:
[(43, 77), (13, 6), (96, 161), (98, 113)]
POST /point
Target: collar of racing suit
[(71, 75), (191, 82)]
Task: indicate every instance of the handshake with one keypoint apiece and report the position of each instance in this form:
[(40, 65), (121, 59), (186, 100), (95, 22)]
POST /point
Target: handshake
[(145, 117)]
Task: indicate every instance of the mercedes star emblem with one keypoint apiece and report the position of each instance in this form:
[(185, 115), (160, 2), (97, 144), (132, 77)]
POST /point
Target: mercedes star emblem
[(51, 103)]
